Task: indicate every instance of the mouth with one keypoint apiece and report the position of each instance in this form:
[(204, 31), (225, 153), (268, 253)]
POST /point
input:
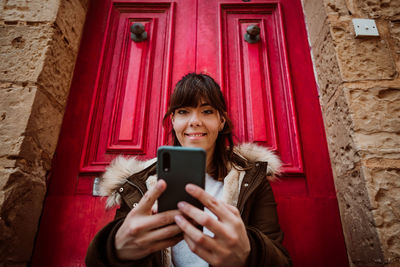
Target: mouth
[(195, 134)]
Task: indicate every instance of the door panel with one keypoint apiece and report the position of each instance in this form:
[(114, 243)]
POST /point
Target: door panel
[(257, 83), (121, 89), (127, 104)]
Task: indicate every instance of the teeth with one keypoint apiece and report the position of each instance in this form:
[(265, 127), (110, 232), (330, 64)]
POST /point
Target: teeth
[(195, 134)]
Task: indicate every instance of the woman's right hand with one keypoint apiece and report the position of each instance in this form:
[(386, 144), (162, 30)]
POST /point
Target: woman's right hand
[(143, 232)]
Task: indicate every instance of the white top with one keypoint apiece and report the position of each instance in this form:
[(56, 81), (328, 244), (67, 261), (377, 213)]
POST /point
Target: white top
[(182, 256)]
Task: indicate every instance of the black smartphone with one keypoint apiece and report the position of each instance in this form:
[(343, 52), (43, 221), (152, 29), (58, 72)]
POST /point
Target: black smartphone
[(179, 166)]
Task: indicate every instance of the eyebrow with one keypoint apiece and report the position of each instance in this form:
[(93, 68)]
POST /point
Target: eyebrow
[(204, 104), (201, 105)]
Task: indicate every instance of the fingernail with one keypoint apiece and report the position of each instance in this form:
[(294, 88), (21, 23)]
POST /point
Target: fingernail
[(190, 188), (178, 218), (181, 205), (159, 184)]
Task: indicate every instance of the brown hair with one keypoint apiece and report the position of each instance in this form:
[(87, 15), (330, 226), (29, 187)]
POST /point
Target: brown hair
[(188, 92)]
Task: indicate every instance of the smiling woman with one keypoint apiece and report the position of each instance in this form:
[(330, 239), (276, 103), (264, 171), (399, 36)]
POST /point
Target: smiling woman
[(199, 119), (240, 221), (198, 127)]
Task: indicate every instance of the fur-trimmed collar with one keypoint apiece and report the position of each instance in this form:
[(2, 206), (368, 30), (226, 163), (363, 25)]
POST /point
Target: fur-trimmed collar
[(121, 168), (253, 153)]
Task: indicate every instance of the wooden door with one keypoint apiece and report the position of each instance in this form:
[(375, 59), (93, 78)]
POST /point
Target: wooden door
[(120, 92), (117, 99)]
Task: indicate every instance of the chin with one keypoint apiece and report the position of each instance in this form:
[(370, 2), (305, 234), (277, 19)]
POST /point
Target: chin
[(194, 145)]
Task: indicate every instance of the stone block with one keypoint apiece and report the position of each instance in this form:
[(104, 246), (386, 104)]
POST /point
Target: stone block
[(353, 8), (29, 10), (362, 242), (361, 59), (389, 162), (56, 75), (45, 123), (70, 19), (339, 130), (387, 9), (22, 51), (41, 136), (383, 175), (29, 130), (85, 4), (395, 34), (15, 108), (336, 7), (378, 143), (375, 109), (384, 190), (33, 159), (19, 216), (325, 61), (395, 38), (315, 18)]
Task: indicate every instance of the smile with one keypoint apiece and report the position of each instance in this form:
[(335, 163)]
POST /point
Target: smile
[(195, 134)]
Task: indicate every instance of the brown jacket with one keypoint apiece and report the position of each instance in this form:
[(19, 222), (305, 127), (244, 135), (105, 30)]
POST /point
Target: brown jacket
[(126, 180)]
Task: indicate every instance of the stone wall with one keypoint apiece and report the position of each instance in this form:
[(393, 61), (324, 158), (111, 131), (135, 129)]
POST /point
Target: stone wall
[(359, 89), (39, 42)]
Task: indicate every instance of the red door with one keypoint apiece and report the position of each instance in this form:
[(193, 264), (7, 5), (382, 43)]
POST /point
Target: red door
[(120, 91)]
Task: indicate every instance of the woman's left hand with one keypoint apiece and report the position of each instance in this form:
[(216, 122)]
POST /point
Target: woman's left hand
[(230, 245)]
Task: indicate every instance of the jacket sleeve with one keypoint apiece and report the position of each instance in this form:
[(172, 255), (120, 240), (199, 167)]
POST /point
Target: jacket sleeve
[(101, 251), (264, 232)]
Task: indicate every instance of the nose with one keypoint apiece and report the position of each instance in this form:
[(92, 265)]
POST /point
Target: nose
[(194, 120)]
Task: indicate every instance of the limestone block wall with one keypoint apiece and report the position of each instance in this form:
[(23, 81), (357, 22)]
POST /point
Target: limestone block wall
[(39, 42), (359, 89)]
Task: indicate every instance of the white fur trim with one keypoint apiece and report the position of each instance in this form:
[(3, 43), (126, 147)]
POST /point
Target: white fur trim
[(167, 259), (241, 176), (230, 192), (115, 176), (121, 168), (254, 152), (151, 182)]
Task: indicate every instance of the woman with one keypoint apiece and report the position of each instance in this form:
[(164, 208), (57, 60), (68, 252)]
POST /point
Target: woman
[(241, 224)]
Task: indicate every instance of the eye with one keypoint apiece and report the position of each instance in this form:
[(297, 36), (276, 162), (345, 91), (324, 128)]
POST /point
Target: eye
[(182, 111), (208, 111)]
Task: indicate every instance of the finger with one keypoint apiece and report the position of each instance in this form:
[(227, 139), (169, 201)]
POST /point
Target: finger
[(147, 201), (159, 234), (201, 218), (147, 223), (209, 201), (198, 250), (195, 234), (165, 243), (154, 208), (232, 209)]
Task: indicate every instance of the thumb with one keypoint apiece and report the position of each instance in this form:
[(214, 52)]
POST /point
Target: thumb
[(148, 200)]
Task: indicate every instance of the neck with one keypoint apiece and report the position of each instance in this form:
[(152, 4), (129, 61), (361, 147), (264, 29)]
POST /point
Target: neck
[(209, 159), (209, 165)]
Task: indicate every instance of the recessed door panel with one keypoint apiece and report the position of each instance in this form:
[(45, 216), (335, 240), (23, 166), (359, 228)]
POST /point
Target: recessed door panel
[(127, 105), (256, 80)]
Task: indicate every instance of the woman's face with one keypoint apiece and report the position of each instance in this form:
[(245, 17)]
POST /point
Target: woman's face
[(198, 127)]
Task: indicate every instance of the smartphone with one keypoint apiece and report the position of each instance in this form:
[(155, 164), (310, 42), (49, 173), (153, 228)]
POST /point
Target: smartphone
[(179, 166)]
